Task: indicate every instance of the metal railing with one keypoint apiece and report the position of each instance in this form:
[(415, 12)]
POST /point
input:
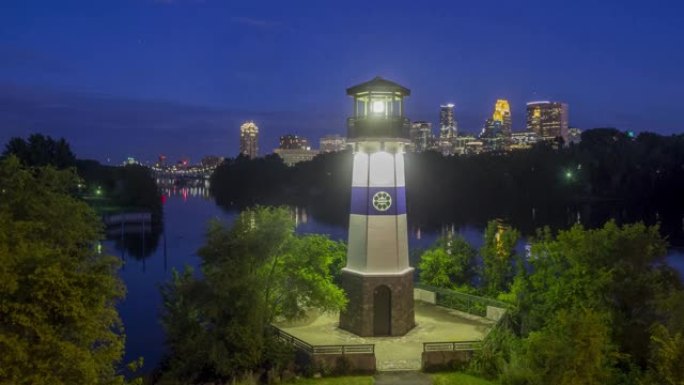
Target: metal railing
[(471, 304), (292, 340), (344, 349), (322, 349), (451, 346)]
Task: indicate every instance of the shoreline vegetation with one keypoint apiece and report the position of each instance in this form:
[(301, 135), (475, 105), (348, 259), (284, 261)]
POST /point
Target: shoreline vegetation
[(108, 189)]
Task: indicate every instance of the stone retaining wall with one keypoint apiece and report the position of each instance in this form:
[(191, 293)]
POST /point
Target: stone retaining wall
[(344, 363), (445, 360)]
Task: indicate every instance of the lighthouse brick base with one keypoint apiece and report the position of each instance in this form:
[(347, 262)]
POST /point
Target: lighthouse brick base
[(361, 313)]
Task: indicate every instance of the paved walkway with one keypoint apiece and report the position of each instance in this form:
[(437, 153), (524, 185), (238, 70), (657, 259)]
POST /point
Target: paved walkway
[(402, 378), (433, 324)]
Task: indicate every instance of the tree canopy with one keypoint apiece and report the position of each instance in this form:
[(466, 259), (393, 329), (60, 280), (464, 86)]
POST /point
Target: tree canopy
[(450, 263), (58, 321), (40, 150), (593, 306), (253, 272)]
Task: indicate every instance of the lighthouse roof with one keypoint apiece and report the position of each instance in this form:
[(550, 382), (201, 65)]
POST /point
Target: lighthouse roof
[(378, 84)]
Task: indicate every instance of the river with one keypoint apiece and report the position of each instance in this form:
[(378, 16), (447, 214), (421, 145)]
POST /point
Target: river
[(149, 261)]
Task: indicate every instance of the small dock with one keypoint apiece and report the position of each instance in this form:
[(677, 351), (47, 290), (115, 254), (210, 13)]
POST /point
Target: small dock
[(128, 223)]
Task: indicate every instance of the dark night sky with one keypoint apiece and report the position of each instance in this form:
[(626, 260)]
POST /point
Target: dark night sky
[(143, 77)]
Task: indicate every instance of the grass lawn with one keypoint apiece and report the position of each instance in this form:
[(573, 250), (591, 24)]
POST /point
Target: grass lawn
[(358, 380), (457, 378)]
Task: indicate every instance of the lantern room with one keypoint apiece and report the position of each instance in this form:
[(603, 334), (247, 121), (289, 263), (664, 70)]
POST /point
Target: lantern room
[(378, 111)]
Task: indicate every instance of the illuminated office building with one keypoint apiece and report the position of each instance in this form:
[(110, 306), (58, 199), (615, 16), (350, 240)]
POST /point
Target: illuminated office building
[(294, 142), (523, 140), (294, 149), (500, 124), (467, 145), (496, 133), (448, 129), (421, 135), (249, 140), (332, 143), (548, 119)]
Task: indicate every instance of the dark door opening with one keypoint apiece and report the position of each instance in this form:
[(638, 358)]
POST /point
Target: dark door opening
[(382, 311)]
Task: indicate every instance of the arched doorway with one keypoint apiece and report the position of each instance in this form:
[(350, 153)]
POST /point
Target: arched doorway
[(382, 311)]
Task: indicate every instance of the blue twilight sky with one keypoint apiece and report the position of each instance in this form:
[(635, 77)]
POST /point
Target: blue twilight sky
[(144, 77)]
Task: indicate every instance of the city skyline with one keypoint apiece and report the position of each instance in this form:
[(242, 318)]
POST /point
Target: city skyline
[(178, 85)]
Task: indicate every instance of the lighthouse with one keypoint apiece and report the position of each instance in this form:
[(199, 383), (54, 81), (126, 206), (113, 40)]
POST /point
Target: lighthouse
[(377, 279)]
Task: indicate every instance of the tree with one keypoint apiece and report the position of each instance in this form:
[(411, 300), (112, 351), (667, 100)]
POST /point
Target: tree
[(135, 186), (214, 327), (254, 272), (586, 309), (573, 348), (619, 269), (58, 320), (667, 356), (40, 150), (498, 254), (449, 264)]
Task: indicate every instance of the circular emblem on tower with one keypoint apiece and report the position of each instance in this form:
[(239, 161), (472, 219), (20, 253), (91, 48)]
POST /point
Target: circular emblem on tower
[(382, 201)]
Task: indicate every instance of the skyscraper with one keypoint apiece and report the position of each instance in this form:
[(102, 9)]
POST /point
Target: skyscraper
[(548, 119), (421, 135), (497, 130), (500, 123), (249, 139), (448, 127)]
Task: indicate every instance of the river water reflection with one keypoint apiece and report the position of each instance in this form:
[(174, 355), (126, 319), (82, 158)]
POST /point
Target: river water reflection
[(150, 259)]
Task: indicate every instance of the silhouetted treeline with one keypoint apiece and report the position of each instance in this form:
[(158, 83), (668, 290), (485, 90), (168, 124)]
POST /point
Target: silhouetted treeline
[(131, 187), (39, 150), (108, 189), (322, 184), (608, 175)]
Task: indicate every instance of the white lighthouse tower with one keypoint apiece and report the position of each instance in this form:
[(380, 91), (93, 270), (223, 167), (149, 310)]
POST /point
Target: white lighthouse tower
[(378, 279)]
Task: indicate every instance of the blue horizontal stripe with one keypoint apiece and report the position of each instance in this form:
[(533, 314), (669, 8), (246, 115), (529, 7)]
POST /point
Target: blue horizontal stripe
[(362, 200)]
